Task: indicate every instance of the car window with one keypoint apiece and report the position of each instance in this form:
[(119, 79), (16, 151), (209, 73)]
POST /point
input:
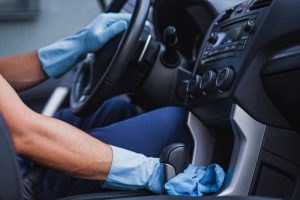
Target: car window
[(54, 19)]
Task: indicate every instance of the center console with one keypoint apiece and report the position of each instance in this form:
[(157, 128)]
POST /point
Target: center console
[(221, 59), (224, 95), (223, 50), (226, 54), (232, 119)]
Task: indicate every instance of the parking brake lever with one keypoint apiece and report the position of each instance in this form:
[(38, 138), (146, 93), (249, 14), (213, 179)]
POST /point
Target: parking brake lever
[(175, 159)]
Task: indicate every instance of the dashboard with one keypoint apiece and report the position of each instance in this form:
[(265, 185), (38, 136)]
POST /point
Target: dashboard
[(242, 44), (221, 47), (223, 56), (192, 15)]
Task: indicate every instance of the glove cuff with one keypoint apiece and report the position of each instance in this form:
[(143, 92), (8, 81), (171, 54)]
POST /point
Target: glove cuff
[(59, 57)]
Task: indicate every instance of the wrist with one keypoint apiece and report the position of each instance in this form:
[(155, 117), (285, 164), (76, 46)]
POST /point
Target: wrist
[(58, 58)]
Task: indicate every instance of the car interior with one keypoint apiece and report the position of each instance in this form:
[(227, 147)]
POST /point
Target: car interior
[(233, 64)]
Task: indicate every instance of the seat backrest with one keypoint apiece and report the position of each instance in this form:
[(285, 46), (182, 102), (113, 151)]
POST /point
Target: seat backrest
[(10, 180)]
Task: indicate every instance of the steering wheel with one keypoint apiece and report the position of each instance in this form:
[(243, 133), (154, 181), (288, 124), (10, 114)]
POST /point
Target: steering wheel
[(93, 81)]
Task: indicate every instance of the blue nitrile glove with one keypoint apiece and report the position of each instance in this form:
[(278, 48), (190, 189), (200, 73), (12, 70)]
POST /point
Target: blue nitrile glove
[(133, 171), (196, 181), (59, 57)]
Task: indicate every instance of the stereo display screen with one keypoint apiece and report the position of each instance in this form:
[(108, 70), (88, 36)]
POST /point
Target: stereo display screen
[(229, 34)]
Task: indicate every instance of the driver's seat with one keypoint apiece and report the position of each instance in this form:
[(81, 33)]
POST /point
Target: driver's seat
[(10, 182)]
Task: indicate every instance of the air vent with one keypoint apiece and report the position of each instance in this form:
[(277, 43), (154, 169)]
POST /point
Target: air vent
[(260, 4)]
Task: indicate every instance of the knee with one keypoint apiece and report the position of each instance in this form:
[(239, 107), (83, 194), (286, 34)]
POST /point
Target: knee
[(174, 120), (174, 115), (117, 104)]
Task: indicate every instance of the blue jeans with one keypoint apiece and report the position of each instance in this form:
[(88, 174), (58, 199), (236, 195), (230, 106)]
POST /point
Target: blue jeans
[(118, 123)]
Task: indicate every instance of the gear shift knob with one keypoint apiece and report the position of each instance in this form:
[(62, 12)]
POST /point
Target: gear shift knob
[(170, 36), (175, 159)]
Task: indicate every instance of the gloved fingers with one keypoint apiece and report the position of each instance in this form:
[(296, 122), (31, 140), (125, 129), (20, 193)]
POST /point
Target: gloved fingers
[(105, 20), (123, 16), (113, 17), (98, 38), (156, 181), (113, 30)]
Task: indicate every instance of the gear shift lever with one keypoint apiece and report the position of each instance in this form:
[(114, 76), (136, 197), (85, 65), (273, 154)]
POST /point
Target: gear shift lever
[(171, 57), (175, 159)]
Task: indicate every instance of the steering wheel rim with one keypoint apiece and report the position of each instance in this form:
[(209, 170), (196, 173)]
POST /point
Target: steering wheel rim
[(83, 102)]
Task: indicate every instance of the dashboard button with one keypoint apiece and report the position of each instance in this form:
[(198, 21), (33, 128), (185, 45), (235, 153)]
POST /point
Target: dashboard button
[(232, 47), (193, 87), (209, 47), (240, 8), (208, 81), (210, 53), (226, 49), (213, 38), (242, 44), (248, 27), (216, 51), (241, 47), (229, 11)]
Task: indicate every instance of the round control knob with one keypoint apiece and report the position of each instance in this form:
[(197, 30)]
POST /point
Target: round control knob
[(207, 82), (248, 27), (229, 11), (193, 87), (225, 79), (213, 38)]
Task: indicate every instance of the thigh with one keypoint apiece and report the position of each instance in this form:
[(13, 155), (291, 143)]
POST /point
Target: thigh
[(113, 110), (148, 133)]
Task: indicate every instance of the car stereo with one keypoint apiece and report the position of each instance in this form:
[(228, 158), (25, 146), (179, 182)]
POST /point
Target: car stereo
[(226, 40)]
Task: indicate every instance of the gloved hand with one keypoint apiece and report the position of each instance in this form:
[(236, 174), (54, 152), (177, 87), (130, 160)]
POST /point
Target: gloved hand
[(132, 171), (59, 57), (196, 181)]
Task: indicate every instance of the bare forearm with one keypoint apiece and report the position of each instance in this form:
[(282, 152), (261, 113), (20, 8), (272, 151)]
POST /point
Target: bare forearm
[(51, 142), (58, 145), (22, 71)]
